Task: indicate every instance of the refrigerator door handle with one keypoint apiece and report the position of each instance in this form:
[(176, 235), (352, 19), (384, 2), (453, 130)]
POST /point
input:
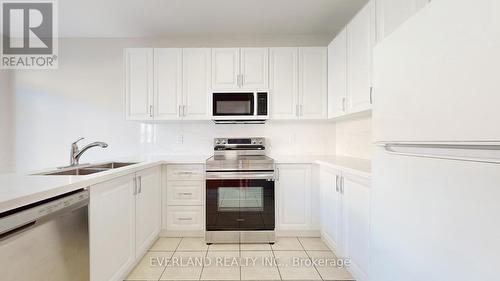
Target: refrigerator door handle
[(471, 152)]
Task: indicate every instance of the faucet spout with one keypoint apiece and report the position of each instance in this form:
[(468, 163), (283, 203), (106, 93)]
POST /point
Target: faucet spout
[(77, 153)]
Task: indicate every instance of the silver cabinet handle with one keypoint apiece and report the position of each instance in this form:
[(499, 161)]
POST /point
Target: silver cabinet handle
[(185, 219), (371, 92), (343, 104), (135, 186), (337, 183), (186, 193), (179, 113), (140, 184), (342, 185), (150, 111)]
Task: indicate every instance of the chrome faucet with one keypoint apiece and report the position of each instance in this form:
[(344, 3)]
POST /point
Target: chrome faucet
[(76, 153)]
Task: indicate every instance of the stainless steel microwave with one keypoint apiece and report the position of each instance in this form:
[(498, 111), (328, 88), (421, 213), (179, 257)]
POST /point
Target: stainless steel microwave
[(240, 107)]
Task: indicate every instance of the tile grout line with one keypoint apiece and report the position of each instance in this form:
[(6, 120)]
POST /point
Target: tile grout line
[(272, 251), (307, 254), (203, 263), (173, 253)]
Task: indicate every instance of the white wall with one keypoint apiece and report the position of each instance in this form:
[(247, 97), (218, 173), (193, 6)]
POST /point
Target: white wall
[(6, 122), (354, 136), (84, 97)]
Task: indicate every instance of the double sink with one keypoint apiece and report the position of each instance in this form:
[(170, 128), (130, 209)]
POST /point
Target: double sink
[(84, 170)]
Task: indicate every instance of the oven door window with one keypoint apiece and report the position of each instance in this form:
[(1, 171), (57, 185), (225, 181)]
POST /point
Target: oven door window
[(240, 204), (236, 199), (233, 104)]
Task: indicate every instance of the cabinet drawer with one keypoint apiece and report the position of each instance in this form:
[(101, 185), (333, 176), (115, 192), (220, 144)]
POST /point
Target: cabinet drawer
[(182, 193), (185, 172), (185, 218)]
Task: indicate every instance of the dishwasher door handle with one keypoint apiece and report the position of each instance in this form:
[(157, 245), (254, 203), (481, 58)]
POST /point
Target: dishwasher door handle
[(17, 230)]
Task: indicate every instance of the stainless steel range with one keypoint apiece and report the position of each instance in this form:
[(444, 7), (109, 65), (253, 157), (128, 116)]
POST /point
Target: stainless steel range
[(240, 192)]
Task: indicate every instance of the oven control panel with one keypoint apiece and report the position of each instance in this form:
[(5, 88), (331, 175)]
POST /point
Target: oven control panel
[(239, 141)]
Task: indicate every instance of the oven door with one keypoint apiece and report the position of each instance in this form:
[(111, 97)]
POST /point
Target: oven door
[(238, 201)]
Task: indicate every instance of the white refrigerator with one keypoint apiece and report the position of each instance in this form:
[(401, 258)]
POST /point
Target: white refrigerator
[(436, 170)]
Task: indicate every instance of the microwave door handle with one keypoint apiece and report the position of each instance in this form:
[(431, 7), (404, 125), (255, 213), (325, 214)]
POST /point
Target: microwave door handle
[(255, 103)]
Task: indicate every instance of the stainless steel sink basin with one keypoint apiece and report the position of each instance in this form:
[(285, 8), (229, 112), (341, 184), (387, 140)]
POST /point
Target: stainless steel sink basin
[(87, 169), (111, 165)]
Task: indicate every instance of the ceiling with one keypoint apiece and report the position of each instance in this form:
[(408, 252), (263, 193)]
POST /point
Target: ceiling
[(168, 18)]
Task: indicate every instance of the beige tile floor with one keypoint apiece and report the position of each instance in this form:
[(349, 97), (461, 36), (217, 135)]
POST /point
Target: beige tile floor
[(192, 259)]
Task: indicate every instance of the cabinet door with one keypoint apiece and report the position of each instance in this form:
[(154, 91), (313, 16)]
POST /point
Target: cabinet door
[(148, 208), (313, 83), (196, 69), (331, 208), (255, 68), (225, 68), (112, 229), (356, 213), (294, 197), (168, 84), (283, 90), (337, 75), (139, 84), (360, 42)]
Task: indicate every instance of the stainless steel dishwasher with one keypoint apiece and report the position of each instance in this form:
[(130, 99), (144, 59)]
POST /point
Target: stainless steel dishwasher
[(47, 240)]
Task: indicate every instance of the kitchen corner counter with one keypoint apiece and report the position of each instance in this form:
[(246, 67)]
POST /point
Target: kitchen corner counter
[(358, 166), (19, 190)]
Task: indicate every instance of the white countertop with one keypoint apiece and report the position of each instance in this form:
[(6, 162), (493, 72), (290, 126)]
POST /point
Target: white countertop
[(20, 190), (361, 167)]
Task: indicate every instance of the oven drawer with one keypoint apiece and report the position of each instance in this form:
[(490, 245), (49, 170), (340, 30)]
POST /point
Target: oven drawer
[(185, 193), (185, 172), (185, 218)]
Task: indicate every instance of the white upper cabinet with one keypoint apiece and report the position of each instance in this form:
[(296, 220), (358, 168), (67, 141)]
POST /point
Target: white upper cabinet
[(168, 83), (196, 70), (226, 68), (283, 90), (235, 68), (255, 68), (337, 75), (313, 83), (139, 84), (361, 39), (392, 13)]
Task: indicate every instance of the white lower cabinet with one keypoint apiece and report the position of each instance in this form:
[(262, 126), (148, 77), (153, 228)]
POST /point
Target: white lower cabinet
[(185, 218), (184, 202), (147, 209), (124, 219), (331, 208), (356, 224), (345, 218), (293, 201)]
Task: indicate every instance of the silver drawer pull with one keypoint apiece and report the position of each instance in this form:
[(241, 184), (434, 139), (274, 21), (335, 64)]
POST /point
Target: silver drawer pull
[(185, 219), (186, 193)]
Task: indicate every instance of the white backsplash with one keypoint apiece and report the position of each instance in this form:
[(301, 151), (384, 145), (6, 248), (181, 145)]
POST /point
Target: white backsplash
[(354, 137)]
